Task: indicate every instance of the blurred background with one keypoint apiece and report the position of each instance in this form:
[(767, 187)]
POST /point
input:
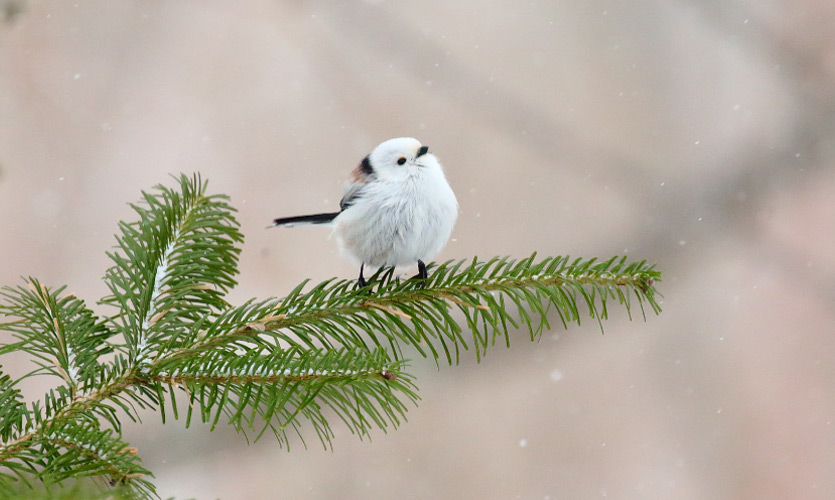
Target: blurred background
[(696, 134)]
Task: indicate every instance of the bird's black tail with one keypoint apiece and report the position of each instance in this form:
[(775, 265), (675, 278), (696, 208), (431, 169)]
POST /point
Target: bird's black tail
[(301, 220)]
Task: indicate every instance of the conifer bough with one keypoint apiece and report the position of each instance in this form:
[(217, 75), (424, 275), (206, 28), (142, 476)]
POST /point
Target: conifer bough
[(174, 345)]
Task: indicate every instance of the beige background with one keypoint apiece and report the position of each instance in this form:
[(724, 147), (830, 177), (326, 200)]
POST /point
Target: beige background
[(699, 135)]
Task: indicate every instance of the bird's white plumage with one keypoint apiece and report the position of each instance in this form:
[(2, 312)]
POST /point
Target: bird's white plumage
[(400, 213), (397, 208)]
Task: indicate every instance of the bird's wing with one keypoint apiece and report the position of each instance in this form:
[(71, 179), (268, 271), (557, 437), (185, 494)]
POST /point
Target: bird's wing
[(352, 192), (354, 188)]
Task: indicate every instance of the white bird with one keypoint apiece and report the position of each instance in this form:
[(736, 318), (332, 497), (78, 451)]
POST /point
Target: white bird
[(397, 208)]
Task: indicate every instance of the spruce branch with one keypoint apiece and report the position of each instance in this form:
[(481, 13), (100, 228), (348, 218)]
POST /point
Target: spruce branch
[(180, 258), (61, 334), (267, 366), (396, 314)]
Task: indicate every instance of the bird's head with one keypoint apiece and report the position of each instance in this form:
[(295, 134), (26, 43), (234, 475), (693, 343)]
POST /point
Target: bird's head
[(401, 157)]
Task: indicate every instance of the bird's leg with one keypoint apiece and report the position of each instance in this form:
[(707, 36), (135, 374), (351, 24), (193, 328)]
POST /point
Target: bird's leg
[(422, 274), (361, 281)]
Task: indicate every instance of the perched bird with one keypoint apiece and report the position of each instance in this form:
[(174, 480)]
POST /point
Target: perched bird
[(397, 208)]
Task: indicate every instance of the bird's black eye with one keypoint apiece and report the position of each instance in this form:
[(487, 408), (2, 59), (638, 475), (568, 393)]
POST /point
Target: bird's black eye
[(401, 160)]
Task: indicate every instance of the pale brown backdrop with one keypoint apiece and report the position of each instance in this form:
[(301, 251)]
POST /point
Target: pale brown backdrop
[(696, 134)]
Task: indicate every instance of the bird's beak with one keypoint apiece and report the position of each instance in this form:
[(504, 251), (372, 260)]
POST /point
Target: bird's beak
[(422, 151)]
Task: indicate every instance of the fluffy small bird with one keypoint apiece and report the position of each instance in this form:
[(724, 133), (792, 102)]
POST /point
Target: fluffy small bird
[(397, 208)]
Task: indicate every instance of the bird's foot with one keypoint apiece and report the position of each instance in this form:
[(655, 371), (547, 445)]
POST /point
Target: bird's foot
[(361, 283), (422, 275)]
